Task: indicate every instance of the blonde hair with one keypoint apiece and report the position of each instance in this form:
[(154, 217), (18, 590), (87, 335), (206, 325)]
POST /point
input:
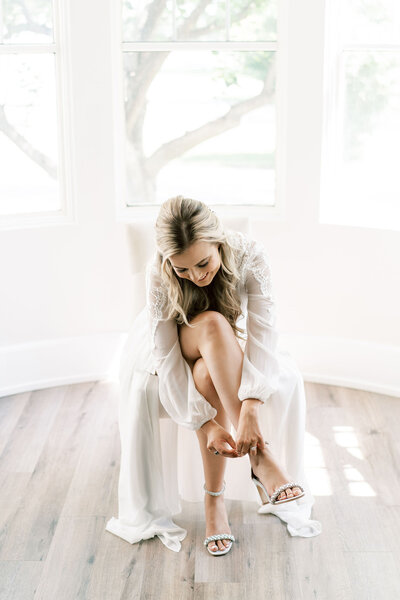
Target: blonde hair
[(181, 222)]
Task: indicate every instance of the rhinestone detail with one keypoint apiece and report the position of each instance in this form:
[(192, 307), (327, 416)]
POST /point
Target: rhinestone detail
[(282, 488), (215, 493), (219, 536)]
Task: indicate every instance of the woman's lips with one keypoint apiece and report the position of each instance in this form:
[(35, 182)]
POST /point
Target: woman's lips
[(204, 277)]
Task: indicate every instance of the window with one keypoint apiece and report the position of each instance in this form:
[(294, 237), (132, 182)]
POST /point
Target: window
[(29, 113), (199, 82), (362, 145)]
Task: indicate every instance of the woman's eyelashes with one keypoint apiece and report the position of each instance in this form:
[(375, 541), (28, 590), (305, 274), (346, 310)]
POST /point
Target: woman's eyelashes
[(201, 266)]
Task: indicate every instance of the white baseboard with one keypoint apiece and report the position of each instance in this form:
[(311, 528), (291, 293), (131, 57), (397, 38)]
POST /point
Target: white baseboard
[(345, 362), (50, 363), (334, 361)]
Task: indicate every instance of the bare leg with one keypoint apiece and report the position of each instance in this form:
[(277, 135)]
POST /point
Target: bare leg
[(214, 340), (213, 465)]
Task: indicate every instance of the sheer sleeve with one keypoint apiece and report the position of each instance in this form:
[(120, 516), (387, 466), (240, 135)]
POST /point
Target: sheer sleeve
[(177, 391), (260, 372)]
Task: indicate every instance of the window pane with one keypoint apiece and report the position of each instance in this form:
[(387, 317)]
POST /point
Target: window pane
[(153, 20), (196, 23), (30, 21), (370, 21), (198, 124), (369, 189), (28, 134), (147, 20), (253, 21)]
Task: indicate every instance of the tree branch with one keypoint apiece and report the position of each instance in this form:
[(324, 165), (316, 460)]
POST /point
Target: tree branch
[(152, 63), (30, 24), (154, 13), (175, 148), (191, 20), (139, 86), (22, 143), (215, 25)]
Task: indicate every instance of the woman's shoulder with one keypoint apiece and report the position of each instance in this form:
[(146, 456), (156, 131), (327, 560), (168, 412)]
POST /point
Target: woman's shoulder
[(154, 283), (239, 242), (244, 246), (251, 256), (153, 265)]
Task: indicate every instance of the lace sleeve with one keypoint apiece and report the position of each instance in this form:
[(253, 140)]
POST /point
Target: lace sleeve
[(177, 391), (260, 373), (157, 302)]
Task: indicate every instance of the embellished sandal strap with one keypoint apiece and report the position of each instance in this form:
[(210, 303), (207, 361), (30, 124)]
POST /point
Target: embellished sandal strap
[(284, 487), (215, 493), (219, 536)]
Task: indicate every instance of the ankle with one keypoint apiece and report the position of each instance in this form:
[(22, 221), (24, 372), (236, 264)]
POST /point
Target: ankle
[(214, 499), (256, 459), (215, 490)]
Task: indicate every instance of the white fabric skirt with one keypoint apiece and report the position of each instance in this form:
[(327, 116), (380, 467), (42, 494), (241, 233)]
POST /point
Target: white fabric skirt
[(161, 462)]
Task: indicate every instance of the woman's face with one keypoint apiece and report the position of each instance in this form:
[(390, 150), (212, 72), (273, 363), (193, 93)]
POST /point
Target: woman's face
[(199, 263)]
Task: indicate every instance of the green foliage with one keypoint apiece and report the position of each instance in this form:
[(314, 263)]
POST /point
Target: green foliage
[(38, 12), (367, 93), (248, 63), (369, 10)]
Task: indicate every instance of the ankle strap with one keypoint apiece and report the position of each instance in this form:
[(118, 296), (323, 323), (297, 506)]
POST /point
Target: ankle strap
[(215, 493)]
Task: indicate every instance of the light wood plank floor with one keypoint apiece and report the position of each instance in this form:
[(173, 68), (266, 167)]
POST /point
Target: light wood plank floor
[(59, 466)]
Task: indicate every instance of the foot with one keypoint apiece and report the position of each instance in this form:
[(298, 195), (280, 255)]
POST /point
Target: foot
[(271, 475), (216, 521)]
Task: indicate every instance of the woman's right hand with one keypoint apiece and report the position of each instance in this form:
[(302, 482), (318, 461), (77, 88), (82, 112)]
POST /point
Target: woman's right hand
[(219, 439)]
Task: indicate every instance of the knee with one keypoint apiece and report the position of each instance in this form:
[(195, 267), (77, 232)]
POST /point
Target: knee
[(213, 322), (201, 374)]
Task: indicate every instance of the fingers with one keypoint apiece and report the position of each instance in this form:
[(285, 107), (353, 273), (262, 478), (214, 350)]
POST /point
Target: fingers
[(230, 452), (250, 447), (227, 453), (223, 451), (253, 450), (222, 446), (244, 447), (231, 442)]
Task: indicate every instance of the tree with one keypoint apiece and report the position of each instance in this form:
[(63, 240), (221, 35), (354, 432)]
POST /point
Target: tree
[(196, 20), (141, 69)]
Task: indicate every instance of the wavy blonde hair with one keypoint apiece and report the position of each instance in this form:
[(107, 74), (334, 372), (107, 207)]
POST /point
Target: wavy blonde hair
[(181, 222)]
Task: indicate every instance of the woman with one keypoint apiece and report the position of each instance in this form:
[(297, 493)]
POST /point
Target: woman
[(199, 283)]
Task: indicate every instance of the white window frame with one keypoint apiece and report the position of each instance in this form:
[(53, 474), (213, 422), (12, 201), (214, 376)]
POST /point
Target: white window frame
[(271, 213), (65, 168), (334, 105)]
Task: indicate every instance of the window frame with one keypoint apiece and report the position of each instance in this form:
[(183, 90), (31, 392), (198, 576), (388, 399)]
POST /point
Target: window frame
[(63, 94), (277, 212), (334, 88)]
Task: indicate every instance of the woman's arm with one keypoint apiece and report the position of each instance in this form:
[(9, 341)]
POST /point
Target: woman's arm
[(177, 391), (260, 372)]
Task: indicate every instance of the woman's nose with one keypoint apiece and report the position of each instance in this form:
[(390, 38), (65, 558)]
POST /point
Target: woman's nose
[(197, 276)]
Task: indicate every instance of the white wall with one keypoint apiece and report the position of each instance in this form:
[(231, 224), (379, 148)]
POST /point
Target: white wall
[(67, 290)]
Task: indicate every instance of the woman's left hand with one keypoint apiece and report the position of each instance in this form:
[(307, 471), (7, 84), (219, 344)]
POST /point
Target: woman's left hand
[(249, 433)]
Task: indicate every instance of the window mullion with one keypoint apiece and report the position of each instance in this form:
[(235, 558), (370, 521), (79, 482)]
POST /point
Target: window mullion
[(189, 45), (227, 19), (174, 19)]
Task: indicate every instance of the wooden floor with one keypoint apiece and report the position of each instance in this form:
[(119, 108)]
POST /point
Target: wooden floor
[(59, 465)]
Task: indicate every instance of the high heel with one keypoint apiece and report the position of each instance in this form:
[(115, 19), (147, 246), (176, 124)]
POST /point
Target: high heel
[(218, 536), (265, 498)]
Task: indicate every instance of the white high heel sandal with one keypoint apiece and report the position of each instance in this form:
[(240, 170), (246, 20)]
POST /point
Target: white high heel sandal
[(266, 499), (218, 536)]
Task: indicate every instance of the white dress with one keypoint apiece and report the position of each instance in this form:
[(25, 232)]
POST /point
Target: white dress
[(161, 461)]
